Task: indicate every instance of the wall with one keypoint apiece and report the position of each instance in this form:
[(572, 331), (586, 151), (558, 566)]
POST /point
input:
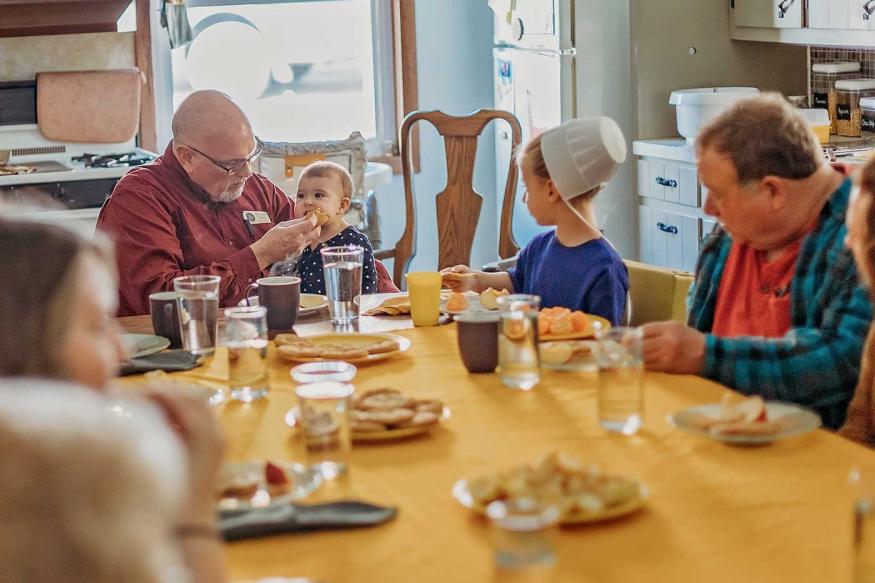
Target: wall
[(22, 57), (662, 42), (604, 86), (454, 61)]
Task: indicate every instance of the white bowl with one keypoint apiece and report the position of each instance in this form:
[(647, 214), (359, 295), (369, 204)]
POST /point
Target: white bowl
[(696, 107)]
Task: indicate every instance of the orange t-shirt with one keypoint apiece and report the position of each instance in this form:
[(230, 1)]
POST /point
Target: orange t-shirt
[(754, 294)]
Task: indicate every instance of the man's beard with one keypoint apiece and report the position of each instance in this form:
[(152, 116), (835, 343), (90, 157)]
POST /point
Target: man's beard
[(230, 195)]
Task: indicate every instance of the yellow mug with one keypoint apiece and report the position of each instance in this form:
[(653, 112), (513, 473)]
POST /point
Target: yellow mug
[(424, 288)]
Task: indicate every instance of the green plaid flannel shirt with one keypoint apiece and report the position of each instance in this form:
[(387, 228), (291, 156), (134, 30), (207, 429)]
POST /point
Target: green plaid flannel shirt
[(816, 364)]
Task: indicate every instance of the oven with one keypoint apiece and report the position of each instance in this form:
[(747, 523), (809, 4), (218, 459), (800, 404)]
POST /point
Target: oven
[(65, 183)]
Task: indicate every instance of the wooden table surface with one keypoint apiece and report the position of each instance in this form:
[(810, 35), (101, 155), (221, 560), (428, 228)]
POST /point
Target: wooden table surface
[(781, 512)]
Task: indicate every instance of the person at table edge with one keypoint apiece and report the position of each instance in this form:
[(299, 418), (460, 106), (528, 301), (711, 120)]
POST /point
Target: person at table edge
[(776, 308), (200, 209)]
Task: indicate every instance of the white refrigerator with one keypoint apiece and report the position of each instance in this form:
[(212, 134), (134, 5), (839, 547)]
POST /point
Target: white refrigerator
[(533, 67)]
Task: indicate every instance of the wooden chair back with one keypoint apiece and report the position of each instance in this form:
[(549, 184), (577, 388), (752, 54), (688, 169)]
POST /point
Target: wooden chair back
[(458, 205)]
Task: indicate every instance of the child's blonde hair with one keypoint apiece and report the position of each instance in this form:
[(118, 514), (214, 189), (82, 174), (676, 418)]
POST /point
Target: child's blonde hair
[(531, 153), (324, 168)]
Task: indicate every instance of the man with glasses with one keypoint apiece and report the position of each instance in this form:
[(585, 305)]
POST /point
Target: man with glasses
[(200, 209)]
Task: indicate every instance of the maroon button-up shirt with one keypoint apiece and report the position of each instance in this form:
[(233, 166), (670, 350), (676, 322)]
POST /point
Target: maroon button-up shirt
[(165, 226)]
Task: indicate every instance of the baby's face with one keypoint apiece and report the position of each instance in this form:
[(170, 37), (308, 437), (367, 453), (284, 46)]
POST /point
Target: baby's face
[(322, 192)]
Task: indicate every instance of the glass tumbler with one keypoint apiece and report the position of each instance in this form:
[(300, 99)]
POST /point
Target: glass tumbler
[(621, 379), (325, 423), (246, 337), (198, 308), (342, 267), (518, 358), (520, 533)]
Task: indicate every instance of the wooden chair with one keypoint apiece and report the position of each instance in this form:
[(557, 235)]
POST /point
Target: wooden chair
[(458, 205)]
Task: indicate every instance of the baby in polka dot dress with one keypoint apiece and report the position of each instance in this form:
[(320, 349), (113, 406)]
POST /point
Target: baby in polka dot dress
[(328, 186)]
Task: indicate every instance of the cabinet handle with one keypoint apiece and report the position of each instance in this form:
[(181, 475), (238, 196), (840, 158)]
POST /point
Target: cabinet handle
[(868, 8), (783, 7), (670, 183), (671, 229)]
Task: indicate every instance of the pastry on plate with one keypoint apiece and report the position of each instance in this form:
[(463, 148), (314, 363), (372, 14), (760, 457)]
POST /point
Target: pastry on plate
[(489, 298), (457, 303)]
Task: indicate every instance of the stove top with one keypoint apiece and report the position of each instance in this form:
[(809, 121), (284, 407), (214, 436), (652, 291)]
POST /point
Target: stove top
[(113, 160)]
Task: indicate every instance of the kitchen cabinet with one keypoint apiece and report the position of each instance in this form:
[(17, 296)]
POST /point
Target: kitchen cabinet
[(769, 13), (841, 23), (43, 17), (671, 220), (841, 14)]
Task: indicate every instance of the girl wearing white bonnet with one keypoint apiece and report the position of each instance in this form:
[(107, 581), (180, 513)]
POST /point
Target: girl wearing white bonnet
[(574, 265)]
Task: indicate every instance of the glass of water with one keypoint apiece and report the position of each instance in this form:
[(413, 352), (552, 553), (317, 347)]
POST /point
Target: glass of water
[(324, 417), (621, 379), (518, 359), (520, 535), (246, 336), (198, 307), (343, 281)]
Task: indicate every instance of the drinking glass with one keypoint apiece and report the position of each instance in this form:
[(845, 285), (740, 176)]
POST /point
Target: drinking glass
[(246, 336), (324, 417), (424, 289), (518, 359), (343, 281), (621, 379), (520, 532), (864, 526), (198, 307), (329, 370)]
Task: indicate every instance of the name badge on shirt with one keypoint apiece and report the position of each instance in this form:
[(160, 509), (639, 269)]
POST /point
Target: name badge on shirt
[(256, 217)]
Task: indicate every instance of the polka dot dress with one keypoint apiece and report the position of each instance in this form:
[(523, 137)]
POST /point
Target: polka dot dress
[(310, 264)]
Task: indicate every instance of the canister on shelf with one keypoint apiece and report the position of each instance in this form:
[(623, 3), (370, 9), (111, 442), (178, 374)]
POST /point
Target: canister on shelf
[(823, 79), (867, 117), (848, 113)]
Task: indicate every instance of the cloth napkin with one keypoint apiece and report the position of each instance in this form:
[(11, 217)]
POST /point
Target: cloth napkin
[(168, 360), (289, 518)]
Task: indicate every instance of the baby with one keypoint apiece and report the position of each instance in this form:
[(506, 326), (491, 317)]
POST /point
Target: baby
[(324, 191)]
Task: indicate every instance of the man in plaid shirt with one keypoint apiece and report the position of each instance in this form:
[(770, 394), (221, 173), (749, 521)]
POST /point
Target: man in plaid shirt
[(776, 309)]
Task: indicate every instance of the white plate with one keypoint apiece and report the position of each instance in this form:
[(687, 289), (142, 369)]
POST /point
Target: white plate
[(138, 345), (305, 481), (799, 421), (309, 303), (473, 305), (579, 362)]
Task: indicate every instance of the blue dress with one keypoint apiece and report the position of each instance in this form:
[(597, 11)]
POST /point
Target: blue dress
[(310, 263), (590, 277)]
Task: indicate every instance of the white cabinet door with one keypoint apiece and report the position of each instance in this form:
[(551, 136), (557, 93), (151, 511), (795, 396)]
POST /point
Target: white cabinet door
[(689, 186), (668, 240), (645, 241), (861, 14), (818, 13), (644, 178), (769, 13)]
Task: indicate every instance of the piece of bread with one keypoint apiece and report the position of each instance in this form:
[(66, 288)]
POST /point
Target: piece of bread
[(321, 216), (457, 303)]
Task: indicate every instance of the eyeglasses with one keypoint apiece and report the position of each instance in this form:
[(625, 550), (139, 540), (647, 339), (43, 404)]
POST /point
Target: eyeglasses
[(238, 166)]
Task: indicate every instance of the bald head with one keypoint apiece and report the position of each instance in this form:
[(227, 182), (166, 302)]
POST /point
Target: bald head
[(210, 117)]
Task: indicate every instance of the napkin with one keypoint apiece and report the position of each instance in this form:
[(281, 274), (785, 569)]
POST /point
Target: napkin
[(169, 360), (288, 518)]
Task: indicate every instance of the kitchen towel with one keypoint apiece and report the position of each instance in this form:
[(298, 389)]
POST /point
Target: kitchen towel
[(89, 106), (289, 518)]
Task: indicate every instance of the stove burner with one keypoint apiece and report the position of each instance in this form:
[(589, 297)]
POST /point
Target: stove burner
[(112, 160)]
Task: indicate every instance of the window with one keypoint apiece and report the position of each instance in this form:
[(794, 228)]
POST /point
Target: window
[(303, 70)]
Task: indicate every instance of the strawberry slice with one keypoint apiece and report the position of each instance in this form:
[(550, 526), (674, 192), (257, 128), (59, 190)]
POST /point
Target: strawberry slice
[(275, 474)]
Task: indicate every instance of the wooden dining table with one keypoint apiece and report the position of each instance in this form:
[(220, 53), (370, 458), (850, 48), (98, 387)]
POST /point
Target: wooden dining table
[(715, 512)]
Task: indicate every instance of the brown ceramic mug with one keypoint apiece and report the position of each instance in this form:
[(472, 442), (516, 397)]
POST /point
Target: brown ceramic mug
[(165, 317), (478, 340), (281, 295)]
